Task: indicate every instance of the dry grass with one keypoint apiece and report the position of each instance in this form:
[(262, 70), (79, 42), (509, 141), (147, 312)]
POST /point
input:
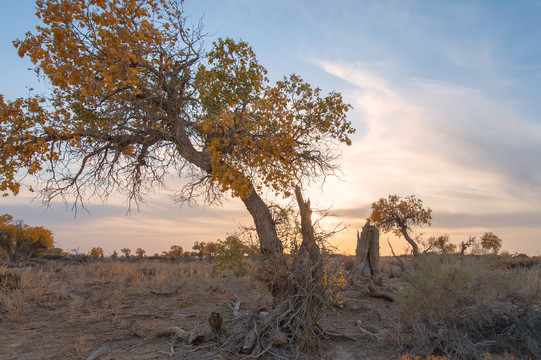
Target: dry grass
[(84, 306), (462, 307), (450, 308), (37, 287)]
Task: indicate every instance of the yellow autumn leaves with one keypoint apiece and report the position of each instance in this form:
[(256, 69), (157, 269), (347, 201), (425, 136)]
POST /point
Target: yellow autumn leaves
[(129, 84), (268, 133)]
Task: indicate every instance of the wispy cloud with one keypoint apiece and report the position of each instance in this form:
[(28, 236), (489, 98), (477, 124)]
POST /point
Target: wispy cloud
[(425, 137), (459, 150)]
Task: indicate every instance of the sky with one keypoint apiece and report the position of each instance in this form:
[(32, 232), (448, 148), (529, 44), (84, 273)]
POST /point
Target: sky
[(445, 98)]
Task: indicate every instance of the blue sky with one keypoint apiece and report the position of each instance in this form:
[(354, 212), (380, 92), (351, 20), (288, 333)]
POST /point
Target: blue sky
[(446, 104)]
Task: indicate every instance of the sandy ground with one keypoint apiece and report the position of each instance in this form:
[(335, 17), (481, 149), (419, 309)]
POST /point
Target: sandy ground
[(67, 311)]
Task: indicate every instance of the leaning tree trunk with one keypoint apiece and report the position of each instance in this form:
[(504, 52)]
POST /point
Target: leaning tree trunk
[(274, 268), (270, 244), (367, 255), (412, 242)]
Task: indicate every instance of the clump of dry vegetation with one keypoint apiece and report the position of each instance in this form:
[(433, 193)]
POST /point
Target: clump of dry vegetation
[(19, 287), (447, 307), (465, 306)]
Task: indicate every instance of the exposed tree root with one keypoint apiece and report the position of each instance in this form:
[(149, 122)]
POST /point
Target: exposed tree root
[(379, 293)]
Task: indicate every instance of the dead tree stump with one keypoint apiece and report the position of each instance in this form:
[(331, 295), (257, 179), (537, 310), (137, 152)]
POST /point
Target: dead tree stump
[(367, 256)]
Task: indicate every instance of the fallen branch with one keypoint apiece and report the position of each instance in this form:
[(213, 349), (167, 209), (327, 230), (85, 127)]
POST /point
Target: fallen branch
[(189, 337), (367, 332), (96, 354), (164, 293), (234, 306), (249, 341)]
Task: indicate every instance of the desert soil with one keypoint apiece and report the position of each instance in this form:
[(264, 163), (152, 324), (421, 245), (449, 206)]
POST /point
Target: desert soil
[(69, 311)]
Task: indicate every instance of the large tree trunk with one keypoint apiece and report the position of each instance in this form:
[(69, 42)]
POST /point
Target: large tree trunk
[(270, 244), (274, 268), (367, 255)]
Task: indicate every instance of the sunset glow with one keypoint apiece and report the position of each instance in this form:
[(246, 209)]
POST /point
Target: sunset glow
[(445, 102)]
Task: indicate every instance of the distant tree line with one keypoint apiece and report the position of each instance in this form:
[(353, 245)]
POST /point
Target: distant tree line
[(20, 242)]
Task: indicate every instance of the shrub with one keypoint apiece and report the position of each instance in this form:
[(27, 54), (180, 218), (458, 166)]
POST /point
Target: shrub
[(462, 307), (231, 254), (334, 280), (442, 244)]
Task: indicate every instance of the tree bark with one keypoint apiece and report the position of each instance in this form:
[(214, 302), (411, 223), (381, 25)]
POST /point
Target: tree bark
[(367, 255), (413, 244), (307, 231), (270, 244), (373, 256), (309, 246)]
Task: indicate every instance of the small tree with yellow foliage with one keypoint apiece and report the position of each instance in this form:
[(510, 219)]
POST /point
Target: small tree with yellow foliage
[(96, 252), (22, 242), (491, 242), (398, 215)]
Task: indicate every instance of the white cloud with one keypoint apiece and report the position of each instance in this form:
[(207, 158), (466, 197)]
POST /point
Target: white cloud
[(427, 137), (454, 147)]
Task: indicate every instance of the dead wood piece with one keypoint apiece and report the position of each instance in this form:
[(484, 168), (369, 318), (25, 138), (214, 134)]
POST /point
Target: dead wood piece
[(249, 341), (379, 293), (164, 293), (189, 337), (96, 354), (367, 261), (234, 306), (10, 281), (366, 331), (308, 239), (182, 334), (215, 322)]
